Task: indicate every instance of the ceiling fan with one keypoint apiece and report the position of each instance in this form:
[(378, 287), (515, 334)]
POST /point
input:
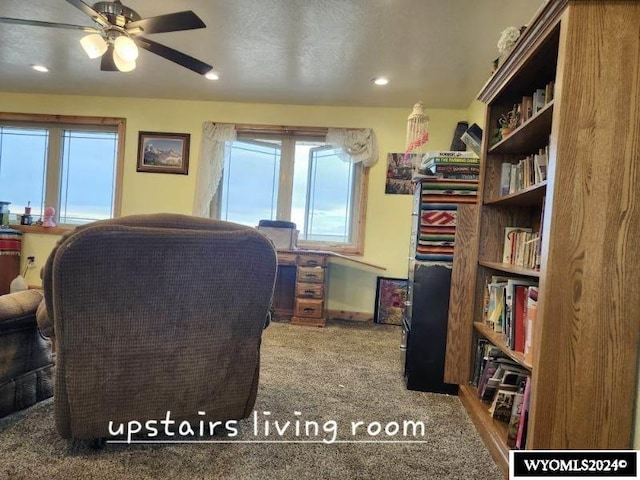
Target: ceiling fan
[(118, 34)]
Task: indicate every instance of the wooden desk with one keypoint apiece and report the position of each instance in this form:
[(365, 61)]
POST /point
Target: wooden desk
[(301, 292)]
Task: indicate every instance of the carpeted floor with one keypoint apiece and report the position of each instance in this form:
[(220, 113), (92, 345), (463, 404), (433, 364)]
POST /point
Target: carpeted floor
[(347, 372)]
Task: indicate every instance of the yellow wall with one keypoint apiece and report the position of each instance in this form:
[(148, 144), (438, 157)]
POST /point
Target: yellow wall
[(388, 216), (476, 113)]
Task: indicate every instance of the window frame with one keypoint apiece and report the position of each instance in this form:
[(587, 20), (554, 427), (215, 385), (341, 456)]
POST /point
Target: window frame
[(59, 123), (287, 135)]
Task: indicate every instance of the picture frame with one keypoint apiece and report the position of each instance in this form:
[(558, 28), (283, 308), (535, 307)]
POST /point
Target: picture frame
[(391, 295), (162, 152)]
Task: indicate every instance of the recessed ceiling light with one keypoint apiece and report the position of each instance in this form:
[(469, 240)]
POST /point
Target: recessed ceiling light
[(40, 68), (212, 76), (380, 81)]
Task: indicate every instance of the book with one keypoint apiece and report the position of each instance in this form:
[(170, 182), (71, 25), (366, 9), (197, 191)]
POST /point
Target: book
[(521, 436), (505, 177), (514, 419), (482, 345), (448, 156), (538, 100), (530, 324), (468, 168), (502, 405), (509, 249), (501, 366), (510, 304), (489, 366), (520, 310), (496, 306)]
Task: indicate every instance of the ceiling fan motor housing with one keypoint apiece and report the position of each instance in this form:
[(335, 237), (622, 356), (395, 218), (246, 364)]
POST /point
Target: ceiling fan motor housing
[(117, 13)]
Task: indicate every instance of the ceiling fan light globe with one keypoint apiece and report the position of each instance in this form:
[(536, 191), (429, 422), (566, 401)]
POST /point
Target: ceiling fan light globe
[(125, 48), (122, 64), (94, 45)]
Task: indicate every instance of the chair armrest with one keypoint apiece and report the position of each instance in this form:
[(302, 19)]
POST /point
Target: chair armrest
[(44, 322), (19, 304)]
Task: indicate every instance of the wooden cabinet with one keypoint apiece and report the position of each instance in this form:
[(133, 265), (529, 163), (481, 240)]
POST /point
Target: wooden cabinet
[(9, 269), (10, 246), (310, 301), (301, 288), (584, 366)]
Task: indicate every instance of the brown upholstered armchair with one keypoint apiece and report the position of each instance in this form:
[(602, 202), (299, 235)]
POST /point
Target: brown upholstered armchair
[(157, 313), (26, 360)]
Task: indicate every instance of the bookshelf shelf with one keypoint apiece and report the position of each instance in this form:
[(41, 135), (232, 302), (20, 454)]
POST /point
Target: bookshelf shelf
[(579, 369), (492, 431), (499, 341), (507, 268), (530, 136), (532, 195)]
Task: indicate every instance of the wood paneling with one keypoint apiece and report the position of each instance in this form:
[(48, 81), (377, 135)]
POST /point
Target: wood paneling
[(457, 367), (585, 367)]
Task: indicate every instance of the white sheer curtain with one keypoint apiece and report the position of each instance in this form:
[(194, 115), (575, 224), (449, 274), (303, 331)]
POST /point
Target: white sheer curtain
[(211, 163), (357, 145)]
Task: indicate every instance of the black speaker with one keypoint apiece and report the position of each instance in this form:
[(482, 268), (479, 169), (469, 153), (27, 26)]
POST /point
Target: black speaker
[(457, 145)]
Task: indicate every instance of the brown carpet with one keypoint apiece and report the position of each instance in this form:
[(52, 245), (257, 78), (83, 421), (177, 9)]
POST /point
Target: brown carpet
[(347, 372)]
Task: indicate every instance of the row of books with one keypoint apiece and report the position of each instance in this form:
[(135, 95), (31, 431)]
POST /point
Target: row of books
[(450, 164), (530, 105), (521, 247), (511, 308), (506, 387), (529, 171)]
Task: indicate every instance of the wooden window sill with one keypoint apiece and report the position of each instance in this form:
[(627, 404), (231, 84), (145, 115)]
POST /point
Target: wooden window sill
[(37, 229)]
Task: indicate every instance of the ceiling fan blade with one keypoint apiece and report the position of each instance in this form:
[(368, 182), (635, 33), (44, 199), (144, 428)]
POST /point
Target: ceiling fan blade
[(106, 63), (38, 23), (174, 56), (87, 10), (172, 22)]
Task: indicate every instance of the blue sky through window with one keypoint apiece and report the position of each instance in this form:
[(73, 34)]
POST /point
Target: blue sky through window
[(321, 180), (87, 176)]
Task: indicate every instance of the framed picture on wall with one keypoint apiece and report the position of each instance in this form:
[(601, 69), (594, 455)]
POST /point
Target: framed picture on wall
[(391, 293), (163, 152)]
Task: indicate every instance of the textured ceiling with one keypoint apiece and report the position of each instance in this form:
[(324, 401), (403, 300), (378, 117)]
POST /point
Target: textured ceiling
[(311, 52)]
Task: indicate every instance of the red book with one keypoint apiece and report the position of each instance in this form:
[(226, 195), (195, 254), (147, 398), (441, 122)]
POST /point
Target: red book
[(520, 314), (521, 438)]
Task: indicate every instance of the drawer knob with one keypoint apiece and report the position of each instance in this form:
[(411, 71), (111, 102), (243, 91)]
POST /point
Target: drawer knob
[(307, 309), (309, 292)]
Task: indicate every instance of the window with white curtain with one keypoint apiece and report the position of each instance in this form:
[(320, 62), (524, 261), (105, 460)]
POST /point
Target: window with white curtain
[(296, 177), (74, 167)]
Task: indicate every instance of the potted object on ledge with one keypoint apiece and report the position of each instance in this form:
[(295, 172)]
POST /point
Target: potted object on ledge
[(509, 122)]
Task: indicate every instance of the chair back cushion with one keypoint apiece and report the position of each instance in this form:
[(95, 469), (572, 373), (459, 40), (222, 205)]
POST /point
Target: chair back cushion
[(158, 313)]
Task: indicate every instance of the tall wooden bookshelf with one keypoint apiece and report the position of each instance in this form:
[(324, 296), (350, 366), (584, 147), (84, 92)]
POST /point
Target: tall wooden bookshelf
[(584, 367)]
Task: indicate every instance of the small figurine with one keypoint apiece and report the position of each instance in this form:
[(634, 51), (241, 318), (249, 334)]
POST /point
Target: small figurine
[(49, 213)]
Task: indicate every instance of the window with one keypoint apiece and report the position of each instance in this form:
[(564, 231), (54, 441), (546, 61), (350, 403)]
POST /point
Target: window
[(71, 163), (299, 178)]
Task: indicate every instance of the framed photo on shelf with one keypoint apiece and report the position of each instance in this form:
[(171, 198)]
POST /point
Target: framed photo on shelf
[(391, 293), (163, 152)]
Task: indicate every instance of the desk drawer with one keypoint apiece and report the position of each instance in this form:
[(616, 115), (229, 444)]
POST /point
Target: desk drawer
[(287, 258), (308, 308), (308, 321), (310, 290), (310, 274), (311, 260)]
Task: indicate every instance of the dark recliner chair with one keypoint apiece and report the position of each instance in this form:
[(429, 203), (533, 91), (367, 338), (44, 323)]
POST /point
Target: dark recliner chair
[(157, 313)]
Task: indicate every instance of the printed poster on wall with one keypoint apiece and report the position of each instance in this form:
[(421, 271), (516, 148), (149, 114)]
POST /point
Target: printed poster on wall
[(399, 171)]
